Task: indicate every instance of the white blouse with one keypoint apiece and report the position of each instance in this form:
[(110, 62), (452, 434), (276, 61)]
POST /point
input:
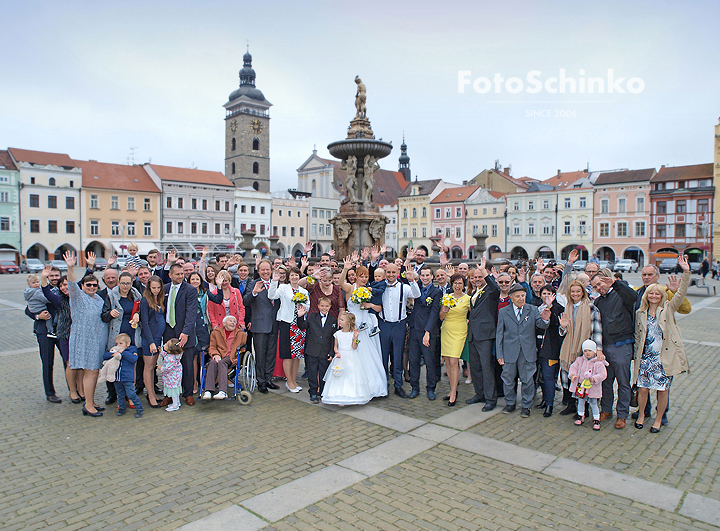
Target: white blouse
[(284, 292)]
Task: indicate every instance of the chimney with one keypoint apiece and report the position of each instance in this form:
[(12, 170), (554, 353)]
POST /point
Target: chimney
[(558, 173), (506, 170)]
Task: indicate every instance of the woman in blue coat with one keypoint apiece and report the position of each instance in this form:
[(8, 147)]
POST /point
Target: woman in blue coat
[(152, 317)]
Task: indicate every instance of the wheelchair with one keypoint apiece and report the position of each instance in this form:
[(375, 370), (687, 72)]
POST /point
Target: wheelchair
[(242, 376)]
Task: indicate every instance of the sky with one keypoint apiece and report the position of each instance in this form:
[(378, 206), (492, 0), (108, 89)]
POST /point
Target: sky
[(102, 80)]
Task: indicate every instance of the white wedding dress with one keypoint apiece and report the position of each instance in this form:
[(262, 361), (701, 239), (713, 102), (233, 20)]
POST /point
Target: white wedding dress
[(346, 382), (369, 351)]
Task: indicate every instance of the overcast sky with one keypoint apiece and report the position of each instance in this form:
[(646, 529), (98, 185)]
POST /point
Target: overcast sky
[(94, 79)]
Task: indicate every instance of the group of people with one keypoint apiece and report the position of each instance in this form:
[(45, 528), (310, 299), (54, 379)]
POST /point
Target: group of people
[(359, 324)]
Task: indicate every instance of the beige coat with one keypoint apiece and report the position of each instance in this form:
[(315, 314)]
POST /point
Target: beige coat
[(672, 353)]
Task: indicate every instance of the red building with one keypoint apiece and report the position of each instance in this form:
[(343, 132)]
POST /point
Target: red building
[(448, 218), (681, 216)]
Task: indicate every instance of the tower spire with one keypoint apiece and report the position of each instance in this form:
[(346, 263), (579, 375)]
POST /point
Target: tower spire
[(404, 161)]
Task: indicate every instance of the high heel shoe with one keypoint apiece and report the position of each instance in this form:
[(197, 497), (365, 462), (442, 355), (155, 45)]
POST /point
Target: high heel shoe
[(96, 414), (653, 429), (451, 403), (154, 406), (446, 398), (76, 400)]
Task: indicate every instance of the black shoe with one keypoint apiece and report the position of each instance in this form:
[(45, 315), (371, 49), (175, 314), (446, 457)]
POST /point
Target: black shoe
[(54, 399), (138, 413), (151, 405), (566, 397), (262, 389), (525, 412), (653, 429), (272, 386), (489, 406), (96, 414), (314, 399), (76, 400), (414, 393), (548, 411), (571, 407), (446, 398), (110, 400), (431, 394), (541, 405), (475, 400), (451, 404), (508, 409), (401, 392)]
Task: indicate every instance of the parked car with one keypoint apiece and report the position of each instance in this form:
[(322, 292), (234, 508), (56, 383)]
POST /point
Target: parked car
[(610, 264), (627, 266), (669, 265), (579, 265), (9, 267), (695, 267), (100, 263), (60, 264), (121, 262), (31, 265)]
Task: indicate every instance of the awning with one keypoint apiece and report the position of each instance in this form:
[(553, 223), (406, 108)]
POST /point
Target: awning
[(144, 247)]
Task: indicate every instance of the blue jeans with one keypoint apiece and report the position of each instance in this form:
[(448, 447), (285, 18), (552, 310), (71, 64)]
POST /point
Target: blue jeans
[(127, 389), (550, 376)]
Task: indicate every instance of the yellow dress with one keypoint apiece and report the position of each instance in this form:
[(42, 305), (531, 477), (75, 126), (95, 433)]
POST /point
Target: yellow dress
[(454, 328)]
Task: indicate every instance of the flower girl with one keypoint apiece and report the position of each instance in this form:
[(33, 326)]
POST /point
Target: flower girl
[(346, 381)]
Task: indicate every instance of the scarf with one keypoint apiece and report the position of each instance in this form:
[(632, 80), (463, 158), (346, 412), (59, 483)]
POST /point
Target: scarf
[(575, 335)]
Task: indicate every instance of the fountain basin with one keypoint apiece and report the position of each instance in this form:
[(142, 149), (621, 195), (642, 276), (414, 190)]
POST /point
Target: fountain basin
[(359, 147)]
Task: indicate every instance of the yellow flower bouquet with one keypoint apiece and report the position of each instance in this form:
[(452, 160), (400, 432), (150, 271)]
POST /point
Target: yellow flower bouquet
[(299, 298), (360, 295), (311, 280), (449, 301)]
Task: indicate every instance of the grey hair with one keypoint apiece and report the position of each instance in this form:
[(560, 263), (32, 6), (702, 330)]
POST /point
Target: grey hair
[(537, 275), (229, 317), (505, 274), (655, 268), (326, 270), (605, 272)]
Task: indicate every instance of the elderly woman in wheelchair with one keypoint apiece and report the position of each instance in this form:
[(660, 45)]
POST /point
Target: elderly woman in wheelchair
[(225, 341)]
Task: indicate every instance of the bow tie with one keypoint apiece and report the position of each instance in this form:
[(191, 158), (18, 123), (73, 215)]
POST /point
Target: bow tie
[(392, 285)]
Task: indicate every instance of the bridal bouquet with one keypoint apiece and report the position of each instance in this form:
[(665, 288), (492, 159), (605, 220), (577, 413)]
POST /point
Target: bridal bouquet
[(449, 301), (310, 280), (299, 298), (360, 295)]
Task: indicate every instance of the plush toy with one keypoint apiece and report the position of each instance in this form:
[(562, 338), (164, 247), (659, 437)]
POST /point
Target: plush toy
[(582, 389), (110, 367)]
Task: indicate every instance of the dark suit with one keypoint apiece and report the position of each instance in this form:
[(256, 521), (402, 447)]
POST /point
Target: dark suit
[(186, 303), (424, 318), (264, 328), (515, 344), (319, 345), (481, 339)]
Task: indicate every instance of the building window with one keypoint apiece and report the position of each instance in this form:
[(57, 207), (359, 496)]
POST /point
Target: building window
[(661, 207), (262, 211), (622, 229), (531, 205), (566, 228), (205, 204), (94, 227), (302, 232), (484, 229), (604, 206), (131, 203), (583, 228), (494, 230), (484, 211), (583, 202), (274, 230), (147, 204), (604, 230), (424, 212), (131, 228), (32, 180), (168, 202), (458, 233), (227, 206), (531, 228), (35, 200), (193, 228), (640, 228), (204, 228), (69, 227), (227, 228), (680, 207), (437, 213), (414, 212), (424, 232), (621, 205), (438, 231), (284, 231), (404, 233), (147, 228), (447, 232), (4, 224), (546, 229), (702, 205), (567, 202), (243, 209), (52, 226), (641, 204), (313, 229), (69, 203), (333, 211), (404, 213), (232, 168), (321, 227), (414, 232), (516, 230), (327, 230), (180, 203), (546, 204), (217, 229), (256, 144), (256, 186), (256, 168), (680, 230), (168, 227), (233, 144), (252, 209), (180, 227), (292, 232), (52, 201), (51, 181), (114, 203), (34, 225), (448, 212), (4, 179), (193, 203), (458, 212)]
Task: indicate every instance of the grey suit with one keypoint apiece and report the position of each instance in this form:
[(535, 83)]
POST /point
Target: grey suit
[(515, 344), (481, 330), (264, 331)]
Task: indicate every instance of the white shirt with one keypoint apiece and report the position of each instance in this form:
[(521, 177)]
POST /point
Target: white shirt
[(167, 310), (391, 300)]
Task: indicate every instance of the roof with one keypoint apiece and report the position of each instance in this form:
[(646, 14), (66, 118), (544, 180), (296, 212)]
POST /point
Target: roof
[(115, 176), (684, 173), (540, 187), (516, 182), (188, 175), (426, 187), (499, 195), (388, 184), (6, 162), (565, 179), (42, 158), (624, 176), (454, 195)]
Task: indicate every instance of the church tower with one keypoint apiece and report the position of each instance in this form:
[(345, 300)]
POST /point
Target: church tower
[(404, 162), (247, 133)]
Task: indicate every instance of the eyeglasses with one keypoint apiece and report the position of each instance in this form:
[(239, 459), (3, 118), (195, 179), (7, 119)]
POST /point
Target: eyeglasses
[(91, 285), (504, 282)]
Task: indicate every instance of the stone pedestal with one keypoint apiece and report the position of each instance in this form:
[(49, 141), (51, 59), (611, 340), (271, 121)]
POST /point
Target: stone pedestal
[(357, 230)]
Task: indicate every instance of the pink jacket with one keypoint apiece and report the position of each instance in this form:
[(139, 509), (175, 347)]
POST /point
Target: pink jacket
[(581, 366), (216, 312)]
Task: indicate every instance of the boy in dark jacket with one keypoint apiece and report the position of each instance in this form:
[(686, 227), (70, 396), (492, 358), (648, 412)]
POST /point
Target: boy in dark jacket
[(319, 343), (125, 374)]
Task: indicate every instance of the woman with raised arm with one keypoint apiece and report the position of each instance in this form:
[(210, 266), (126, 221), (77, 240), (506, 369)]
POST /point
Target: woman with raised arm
[(659, 351), (88, 332), (322, 286)]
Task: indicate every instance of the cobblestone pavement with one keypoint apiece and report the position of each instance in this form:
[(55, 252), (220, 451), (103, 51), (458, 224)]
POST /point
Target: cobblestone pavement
[(281, 463)]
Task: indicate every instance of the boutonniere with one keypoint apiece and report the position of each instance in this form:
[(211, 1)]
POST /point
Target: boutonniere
[(403, 274), (526, 318), (428, 301)]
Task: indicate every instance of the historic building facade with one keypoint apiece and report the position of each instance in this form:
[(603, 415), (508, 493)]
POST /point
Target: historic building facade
[(9, 209), (447, 212), (485, 214), (289, 221), (531, 222)]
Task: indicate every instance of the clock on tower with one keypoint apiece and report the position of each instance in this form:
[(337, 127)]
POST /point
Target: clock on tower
[(247, 136)]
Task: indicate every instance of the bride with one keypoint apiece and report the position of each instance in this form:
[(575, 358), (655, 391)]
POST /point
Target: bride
[(369, 348)]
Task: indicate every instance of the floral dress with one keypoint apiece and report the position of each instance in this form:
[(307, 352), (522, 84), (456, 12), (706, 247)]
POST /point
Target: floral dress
[(297, 336), (651, 374), (171, 374)]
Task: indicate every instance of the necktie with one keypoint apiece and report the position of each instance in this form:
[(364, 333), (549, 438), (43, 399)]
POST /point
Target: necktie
[(171, 312), (323, 316), (517, 313)]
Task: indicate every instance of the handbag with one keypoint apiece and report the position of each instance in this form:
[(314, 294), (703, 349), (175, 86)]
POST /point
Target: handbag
[(634, 396)]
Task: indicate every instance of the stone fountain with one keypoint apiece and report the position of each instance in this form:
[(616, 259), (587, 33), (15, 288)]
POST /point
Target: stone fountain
[(359, 223)]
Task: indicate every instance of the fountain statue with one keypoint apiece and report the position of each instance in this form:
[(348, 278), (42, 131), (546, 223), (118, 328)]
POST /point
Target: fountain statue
[(359, 223)]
